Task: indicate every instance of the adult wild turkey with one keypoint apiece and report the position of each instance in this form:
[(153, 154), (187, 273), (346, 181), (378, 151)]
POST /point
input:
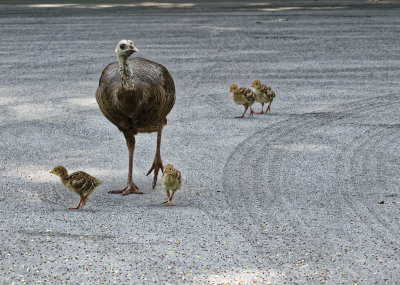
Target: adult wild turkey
[(136, 95)]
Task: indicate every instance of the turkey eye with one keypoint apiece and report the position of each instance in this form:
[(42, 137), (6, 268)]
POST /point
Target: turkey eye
[(122, 46)]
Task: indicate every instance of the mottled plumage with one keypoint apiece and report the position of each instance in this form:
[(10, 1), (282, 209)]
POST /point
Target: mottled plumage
[(171, 180), (242, 96), (79, 182), (141, 108), (136, 95), (264, 94)]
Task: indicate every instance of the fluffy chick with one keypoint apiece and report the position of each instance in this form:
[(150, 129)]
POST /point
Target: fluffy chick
[(171, 180), (264, 94), (242, 96), (79, 182)]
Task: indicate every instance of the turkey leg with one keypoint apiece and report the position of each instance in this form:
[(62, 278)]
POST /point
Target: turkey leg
[(262, 109), (84, 200), (130, 187), (79, 204), (269, 108), (242, 116), (168, 202), (251, 112), (157, 163), (170, 199), (165, 202)]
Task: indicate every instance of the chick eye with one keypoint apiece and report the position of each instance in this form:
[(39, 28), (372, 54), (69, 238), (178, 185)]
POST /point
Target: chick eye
[(123, 46)]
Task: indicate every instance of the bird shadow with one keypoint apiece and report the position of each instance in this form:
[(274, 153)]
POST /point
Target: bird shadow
[(63, 235)]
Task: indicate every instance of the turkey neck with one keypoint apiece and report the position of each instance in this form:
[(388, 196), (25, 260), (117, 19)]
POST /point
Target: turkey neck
[(64, 176), (125, 69)]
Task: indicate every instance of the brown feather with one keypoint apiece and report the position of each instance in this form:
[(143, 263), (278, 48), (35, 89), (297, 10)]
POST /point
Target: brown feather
[(139, 109), (265, 88)]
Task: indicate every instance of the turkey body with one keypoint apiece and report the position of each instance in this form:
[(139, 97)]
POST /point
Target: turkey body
[(79, 182), (141, 108), (243, 96), (171, 180)]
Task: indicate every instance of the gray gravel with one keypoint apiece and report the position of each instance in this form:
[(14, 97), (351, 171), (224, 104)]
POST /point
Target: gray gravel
[(287, 198)]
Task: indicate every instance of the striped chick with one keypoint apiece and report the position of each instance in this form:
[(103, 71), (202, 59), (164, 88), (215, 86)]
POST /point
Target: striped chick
[(243, 96), (79, 182), (264, 94), (171, 180)]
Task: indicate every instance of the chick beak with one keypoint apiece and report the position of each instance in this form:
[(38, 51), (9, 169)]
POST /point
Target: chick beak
[(135, 49)]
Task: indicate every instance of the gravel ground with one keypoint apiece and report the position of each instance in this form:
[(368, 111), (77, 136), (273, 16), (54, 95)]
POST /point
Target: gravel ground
[(291, 197)]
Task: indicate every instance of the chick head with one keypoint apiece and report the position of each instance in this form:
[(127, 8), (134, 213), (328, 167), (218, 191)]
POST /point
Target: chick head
[(256, 84), (168, 168), (59, 170), (233, 88)]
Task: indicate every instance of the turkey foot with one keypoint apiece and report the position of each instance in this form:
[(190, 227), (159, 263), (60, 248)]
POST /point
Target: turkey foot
[(244, 112), (156, 166), (251, 112), (262, 109), (74, 208), (129, 189), (84, 200), (168, 203), (78, 206), (269, 107)]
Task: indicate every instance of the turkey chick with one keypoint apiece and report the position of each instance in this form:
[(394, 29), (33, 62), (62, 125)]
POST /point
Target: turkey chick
[(264, 94), (243, 96), (79, 182), (171, 180)]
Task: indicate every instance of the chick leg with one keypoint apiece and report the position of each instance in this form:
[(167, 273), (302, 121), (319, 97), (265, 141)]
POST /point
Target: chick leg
[(268, 108), (84, 200), (242, 116), (157, 163), (251, 112), (170, 199), (165, 202), (130, 187), (79, 204), (262, 109)]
